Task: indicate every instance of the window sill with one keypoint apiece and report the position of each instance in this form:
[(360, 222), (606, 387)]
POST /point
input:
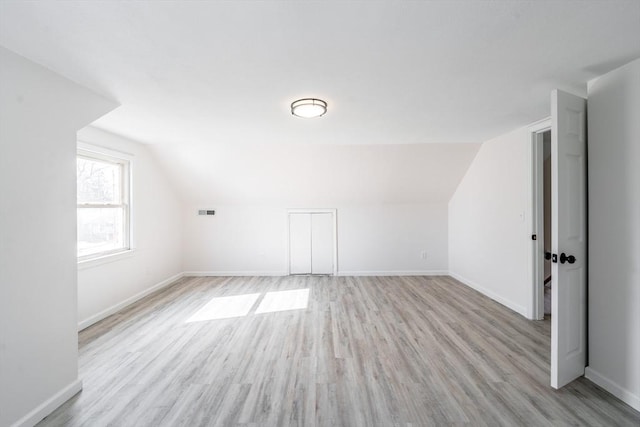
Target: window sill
[(94, 262)]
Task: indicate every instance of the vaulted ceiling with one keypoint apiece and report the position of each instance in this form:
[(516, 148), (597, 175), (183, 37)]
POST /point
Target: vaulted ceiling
[(392, 72)]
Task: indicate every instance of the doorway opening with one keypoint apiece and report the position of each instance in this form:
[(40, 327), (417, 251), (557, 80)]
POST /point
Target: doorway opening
[(542, 221), (546, 222)]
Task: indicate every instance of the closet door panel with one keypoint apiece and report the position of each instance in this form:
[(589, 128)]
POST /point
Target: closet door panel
[(300, 243), (321, 243)]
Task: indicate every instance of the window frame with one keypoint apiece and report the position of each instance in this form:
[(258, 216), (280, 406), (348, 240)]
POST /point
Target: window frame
[(125, 160)]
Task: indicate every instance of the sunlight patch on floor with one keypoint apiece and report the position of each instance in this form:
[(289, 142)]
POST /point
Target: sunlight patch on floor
[(241, 305), (284, 300), (225, 308)]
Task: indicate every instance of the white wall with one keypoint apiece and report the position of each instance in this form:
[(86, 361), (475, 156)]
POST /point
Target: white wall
[(391, 203), (614, 232), (157, 236), (40, 113), (389, 239), (372, 238), (489, 224)]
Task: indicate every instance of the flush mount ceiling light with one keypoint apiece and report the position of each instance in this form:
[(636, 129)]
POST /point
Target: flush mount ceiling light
[(308, 108)]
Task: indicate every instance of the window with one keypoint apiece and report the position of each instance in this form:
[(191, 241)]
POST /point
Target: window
[(103, 204)]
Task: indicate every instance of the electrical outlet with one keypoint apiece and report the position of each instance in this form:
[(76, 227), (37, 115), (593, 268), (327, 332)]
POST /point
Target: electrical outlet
[(423, 254)]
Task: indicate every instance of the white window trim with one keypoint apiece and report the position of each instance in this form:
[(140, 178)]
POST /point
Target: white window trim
[(103, 153), (104, 258)]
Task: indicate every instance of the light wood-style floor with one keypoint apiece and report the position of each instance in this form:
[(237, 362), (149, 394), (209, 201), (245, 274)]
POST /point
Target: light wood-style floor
[(367, 351)]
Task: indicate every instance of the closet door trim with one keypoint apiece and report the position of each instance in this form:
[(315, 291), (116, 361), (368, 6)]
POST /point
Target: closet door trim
[(334, 216)]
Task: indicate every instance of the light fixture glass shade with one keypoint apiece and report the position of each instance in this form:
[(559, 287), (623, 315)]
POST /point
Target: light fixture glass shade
[(308, 108)]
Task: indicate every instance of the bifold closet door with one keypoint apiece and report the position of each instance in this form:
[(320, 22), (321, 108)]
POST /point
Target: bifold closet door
[(300, 243), (311, 243), (321, 243)]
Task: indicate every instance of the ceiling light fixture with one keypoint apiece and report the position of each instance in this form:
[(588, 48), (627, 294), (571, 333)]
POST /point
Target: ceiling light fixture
[(308, 108)]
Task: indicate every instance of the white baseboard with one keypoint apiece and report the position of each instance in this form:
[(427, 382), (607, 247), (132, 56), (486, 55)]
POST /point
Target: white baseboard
[(49, 405), (621, 393), (233, 273), (119, 306), (340, 273), (507, 303), (394, 273)]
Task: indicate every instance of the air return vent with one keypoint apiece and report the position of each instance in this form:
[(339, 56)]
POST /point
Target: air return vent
[(206, 212)]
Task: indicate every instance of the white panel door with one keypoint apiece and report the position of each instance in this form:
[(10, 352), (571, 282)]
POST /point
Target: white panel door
[(299, 243), (321, 243), (569, 237)]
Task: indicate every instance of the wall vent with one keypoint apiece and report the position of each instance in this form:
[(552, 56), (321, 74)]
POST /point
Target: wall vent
[(206, 212)]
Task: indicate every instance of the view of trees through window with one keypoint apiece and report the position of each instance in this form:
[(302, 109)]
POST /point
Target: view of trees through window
[(102, 211)]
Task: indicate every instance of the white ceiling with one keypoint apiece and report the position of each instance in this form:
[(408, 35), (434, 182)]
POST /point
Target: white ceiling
[(392, 72)]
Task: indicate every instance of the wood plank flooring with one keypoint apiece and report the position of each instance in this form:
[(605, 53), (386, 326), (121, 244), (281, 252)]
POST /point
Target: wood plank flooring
[(366, 351)]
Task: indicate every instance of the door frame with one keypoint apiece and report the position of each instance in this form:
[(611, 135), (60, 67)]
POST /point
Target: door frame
[(334, 217), (536, 176)]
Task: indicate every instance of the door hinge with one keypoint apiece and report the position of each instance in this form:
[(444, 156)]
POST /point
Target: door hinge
[(534, 237)]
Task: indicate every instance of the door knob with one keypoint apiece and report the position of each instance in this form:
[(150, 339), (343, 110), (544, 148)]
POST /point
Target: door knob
[(564, 258), (547, 255)]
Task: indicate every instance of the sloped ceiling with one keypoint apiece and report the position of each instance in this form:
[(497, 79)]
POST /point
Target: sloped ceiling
[(315, 175), (209, 83)]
